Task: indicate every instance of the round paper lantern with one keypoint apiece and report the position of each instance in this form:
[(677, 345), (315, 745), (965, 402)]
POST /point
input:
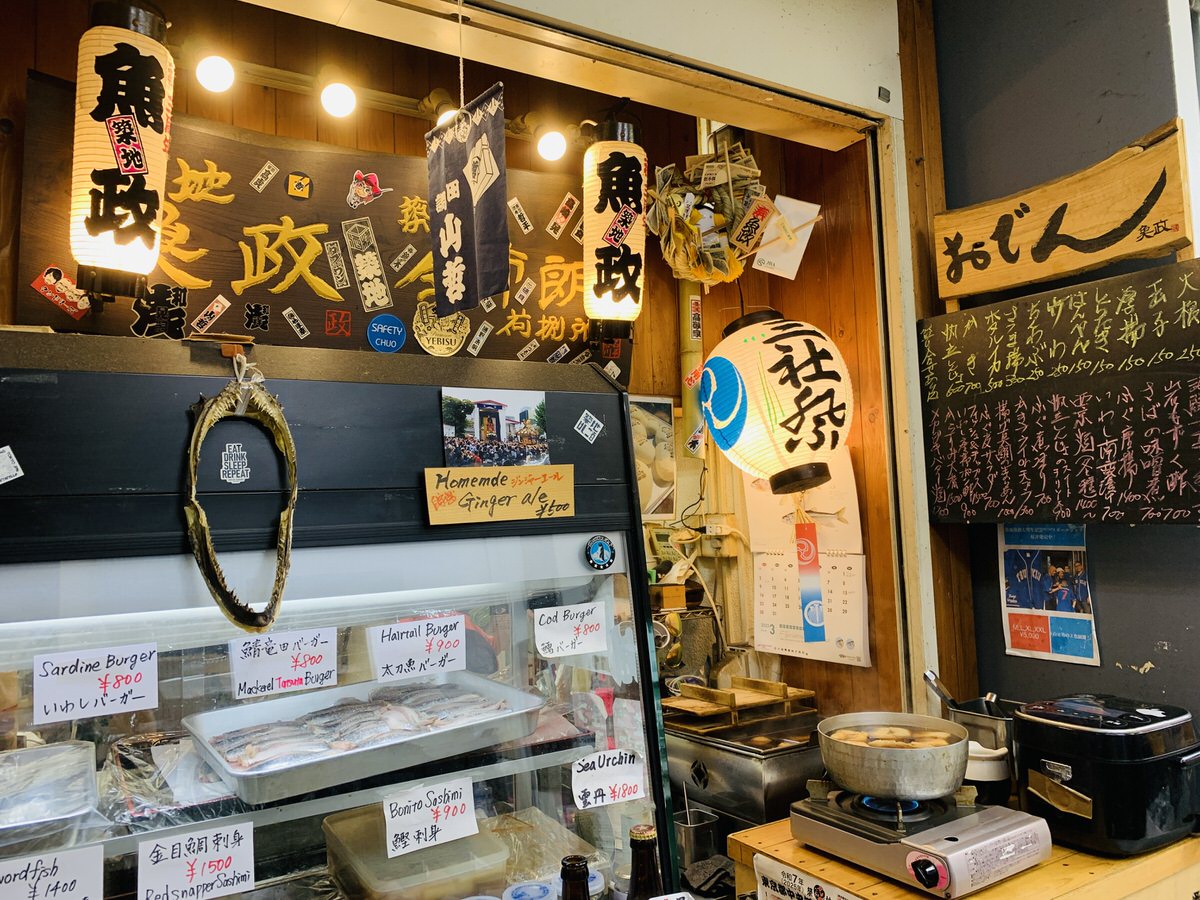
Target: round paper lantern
[(614, 224), (124, 86), (777, 400)]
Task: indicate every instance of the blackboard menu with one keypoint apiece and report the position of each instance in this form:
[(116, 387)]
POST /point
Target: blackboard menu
[(1081, 404)]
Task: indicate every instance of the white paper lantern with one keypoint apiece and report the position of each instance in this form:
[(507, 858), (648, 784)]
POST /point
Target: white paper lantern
[(614, 227), (777, 400), (123, 100)]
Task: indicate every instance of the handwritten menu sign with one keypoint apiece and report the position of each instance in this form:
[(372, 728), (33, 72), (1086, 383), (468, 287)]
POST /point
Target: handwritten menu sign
[(564, 630), (63, 875), (610, 776), (423, 816), (419, 647), (1081, 404), (1132, 204), (82, 684), (278, 663), (203, 863), (499, 494)]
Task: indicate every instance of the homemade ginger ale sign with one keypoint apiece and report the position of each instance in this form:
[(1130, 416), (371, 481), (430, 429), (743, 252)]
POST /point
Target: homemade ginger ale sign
[(1132, 204), (499, 494)]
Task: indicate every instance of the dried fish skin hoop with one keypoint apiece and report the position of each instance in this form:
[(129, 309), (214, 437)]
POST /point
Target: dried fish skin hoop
[(263, 408)]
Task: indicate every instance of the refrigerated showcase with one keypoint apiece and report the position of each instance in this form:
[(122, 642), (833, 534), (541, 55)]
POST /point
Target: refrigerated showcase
[(94, 556)]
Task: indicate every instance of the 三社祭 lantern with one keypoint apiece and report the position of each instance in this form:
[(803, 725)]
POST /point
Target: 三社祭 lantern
[(614, 223), (122, 135), (777, 400)]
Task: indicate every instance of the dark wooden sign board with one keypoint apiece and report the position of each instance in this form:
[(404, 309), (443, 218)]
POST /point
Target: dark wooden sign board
[(1081, 404), (217, 246)]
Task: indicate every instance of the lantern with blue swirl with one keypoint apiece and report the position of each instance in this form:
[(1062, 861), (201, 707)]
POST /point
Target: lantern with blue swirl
[(723, 401), (777, 399)]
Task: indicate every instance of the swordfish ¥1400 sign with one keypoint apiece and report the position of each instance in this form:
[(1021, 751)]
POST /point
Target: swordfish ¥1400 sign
[(468, 205)]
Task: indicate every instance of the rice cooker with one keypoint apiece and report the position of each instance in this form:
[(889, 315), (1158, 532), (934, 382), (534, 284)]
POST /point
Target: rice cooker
[(1109, 774)]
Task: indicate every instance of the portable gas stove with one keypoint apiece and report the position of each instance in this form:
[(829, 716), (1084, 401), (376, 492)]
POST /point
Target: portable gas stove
[(949, 846)]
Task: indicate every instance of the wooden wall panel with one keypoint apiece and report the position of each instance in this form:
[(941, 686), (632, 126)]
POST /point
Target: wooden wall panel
[(949, 552), (836, 289)]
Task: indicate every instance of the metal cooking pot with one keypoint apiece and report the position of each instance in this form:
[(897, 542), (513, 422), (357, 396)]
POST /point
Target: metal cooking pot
[(920, 773)]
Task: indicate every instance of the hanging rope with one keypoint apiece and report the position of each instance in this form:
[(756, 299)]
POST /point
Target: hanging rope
[(462, 92)]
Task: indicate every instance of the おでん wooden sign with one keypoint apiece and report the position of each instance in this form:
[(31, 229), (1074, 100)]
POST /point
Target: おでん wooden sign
[(458, 495), (1132, 204)]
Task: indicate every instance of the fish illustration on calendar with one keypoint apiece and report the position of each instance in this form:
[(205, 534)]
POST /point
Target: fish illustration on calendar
[(814, 612)]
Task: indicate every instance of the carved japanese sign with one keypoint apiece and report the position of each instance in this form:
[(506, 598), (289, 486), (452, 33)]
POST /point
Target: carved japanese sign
[(1132, 204)]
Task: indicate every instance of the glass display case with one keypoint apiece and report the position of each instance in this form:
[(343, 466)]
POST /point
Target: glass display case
[(436, 713)]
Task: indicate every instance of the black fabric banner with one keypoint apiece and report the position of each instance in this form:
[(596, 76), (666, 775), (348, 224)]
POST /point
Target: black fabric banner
[(467, 201)]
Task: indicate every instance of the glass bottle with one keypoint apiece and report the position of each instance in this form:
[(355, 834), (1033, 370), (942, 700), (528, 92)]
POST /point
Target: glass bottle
[(574, 878), (645, 879)]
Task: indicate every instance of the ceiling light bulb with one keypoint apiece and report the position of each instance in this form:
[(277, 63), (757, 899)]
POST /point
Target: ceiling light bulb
[(446, 116), (552, 145), (338, 99), (215, 73)]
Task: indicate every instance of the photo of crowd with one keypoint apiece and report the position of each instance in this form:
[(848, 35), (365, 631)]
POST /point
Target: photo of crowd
[(484, 427), (1056, 581)]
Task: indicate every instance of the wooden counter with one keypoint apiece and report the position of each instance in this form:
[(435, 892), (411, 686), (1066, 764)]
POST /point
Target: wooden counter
[(1172, 873)]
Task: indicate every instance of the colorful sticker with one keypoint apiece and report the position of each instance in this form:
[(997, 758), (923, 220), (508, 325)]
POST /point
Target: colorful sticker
[(620, 226), (696, 321), (268, 171), (442, 336), (525, 291), (299, 185), (613, 370), (693, 377), (558, 354), (519, 214), (162, 312), (10, 469), (364, 189), (373, 289), (695, 440), (488, 304), (60, 290), (566, 209), (524, 353), (589, 427), (577, 231), (386, 333), (746, 235), (337, 323), (337, 264), (402, 257), (581, 358), (481, 335), (211, 313), (126, 143), (258, 316), (298, 326), (235, 464)]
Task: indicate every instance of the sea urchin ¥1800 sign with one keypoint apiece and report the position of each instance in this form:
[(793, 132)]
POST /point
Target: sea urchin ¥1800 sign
[(777, 399), (123, 97)]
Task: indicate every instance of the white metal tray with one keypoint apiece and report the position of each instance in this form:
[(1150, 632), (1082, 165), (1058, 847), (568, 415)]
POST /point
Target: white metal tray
[(304, 776)]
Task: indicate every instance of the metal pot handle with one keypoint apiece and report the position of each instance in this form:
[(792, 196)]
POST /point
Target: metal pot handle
[(1190, 760)]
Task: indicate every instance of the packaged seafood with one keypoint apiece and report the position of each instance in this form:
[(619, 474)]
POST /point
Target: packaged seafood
[(48, 796), (357, 846), (292, 745), (158, 780)]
